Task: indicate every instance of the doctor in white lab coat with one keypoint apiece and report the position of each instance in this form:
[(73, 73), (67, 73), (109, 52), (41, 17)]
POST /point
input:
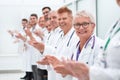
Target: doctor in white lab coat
[(107, 66), (25, 50), (31, 36), (89, 45), (51, 39), (86, 50)]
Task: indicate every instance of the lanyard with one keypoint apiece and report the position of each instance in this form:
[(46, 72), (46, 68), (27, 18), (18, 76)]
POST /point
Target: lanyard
[(78, 53), (111, 35)]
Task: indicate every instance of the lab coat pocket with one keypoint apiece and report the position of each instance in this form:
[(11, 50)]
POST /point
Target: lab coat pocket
[(84, 57)]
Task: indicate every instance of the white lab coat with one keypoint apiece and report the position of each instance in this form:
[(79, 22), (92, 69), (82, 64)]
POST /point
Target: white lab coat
[(35, 54), (112, 58), (26, 57), (62, 49), (25, 54), (45, 34), (88, 55), (51, 41), (54, 36), (40, 56)]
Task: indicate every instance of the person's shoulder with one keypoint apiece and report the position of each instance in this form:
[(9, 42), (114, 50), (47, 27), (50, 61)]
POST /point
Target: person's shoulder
[(99, 41)]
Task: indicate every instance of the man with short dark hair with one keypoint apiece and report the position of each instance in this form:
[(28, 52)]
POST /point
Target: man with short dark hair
[(45, 11), (33, 21)]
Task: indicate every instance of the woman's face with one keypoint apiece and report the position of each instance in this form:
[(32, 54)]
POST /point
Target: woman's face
[(83, 27)]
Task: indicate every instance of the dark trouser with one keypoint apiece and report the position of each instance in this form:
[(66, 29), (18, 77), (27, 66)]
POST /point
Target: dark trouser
[(35, 72), (39, 74), (29, 76), (42, 74)]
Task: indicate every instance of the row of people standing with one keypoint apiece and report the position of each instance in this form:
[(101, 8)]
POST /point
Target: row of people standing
[(72, 39), (81, 47), (107, 65), (29, 54), (105, 58)]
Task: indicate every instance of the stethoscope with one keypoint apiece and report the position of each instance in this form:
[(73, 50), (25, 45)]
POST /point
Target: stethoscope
[(68, 43), (79, 51), (49, 37), (70, 38), (111, 35), (51, 34)]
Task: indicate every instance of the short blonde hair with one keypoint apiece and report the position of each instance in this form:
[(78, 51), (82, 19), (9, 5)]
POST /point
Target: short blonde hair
[(84, 13)]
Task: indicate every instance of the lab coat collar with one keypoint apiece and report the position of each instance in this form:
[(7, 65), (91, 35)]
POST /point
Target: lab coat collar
[(88, 42), (33, 28), (56, 30), (69, 33)]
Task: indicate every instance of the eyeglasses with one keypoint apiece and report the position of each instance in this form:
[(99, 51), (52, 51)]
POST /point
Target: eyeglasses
[(83, 25)]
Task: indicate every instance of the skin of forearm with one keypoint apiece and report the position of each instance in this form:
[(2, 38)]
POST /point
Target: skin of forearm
[(23, 38)]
